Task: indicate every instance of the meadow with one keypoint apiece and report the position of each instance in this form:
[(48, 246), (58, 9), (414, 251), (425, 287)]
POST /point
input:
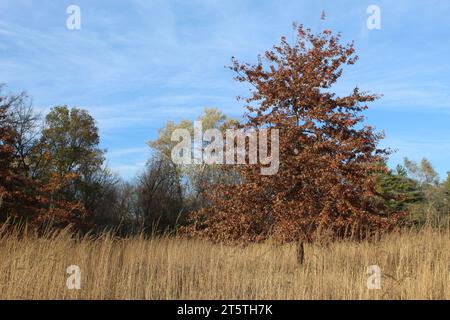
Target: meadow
[(414, 265)]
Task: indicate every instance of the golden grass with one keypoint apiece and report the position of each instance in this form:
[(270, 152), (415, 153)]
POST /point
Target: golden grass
[(415, 265)]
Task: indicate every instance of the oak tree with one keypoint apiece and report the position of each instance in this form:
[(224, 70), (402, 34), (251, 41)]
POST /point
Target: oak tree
[(329, 160)]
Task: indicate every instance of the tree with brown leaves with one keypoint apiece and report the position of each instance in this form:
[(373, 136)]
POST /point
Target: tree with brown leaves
[(16, 192), (24, 198), (326, 183)]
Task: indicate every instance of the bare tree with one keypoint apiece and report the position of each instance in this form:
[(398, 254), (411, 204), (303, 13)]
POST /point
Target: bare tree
[(26, 124), (159, 195)]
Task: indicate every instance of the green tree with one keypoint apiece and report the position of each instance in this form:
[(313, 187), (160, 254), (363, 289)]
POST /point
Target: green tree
[(72, 157), (432, 209), (71, 142), (399, 190)]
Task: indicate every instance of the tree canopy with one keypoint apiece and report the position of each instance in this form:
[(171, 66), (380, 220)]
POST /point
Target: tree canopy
[(328, 158)]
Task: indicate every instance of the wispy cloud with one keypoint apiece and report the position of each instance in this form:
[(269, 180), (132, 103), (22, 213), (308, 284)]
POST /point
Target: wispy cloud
[(136, 64)]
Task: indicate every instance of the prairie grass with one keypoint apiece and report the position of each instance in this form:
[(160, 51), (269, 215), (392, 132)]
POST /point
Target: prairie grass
[(414, 265)]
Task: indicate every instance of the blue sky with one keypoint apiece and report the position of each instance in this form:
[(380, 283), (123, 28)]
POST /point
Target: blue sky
[(136, 64)]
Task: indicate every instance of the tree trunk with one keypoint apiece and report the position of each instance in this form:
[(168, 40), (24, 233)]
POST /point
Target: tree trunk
[(300, 252)]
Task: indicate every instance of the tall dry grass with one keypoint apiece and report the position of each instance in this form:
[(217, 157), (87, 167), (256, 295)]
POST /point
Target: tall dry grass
[(414, 265)]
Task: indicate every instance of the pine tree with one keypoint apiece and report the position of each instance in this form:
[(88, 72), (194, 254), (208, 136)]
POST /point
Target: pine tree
[(399, 190)]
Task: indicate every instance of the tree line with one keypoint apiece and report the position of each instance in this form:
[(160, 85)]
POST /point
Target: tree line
[(53, 172), (333, 177)]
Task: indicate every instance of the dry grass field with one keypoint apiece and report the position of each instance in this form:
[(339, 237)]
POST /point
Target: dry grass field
[(414, 265)]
